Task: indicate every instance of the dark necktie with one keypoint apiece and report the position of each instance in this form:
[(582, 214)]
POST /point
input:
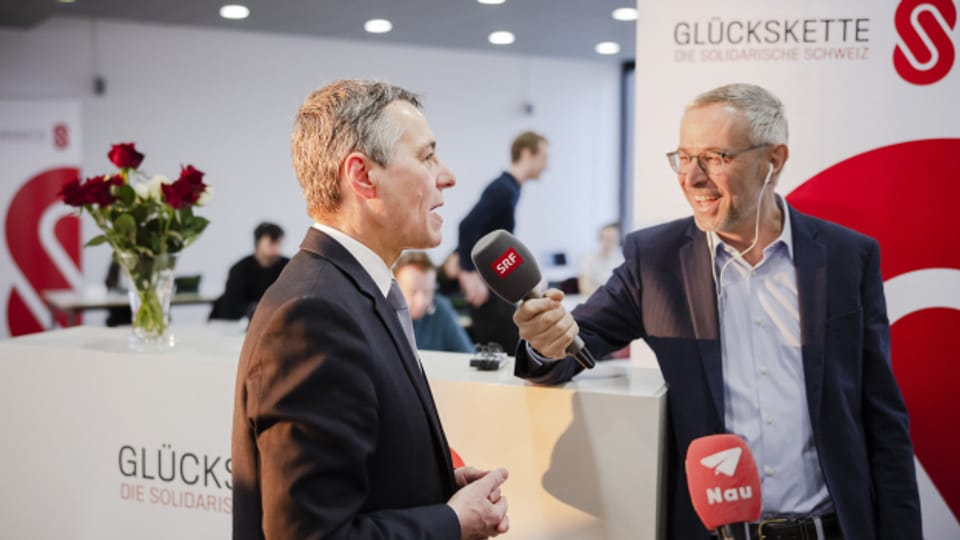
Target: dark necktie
[(395, 297)]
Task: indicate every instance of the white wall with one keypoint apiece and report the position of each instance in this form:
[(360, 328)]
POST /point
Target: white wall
[(224, 101)]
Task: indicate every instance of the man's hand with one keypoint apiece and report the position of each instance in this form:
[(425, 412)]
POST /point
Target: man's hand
[(479, 507), (546, 325), (467, 475), (474, 289)]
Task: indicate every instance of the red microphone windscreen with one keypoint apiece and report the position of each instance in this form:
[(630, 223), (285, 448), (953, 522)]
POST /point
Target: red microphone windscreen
[(723, 480)]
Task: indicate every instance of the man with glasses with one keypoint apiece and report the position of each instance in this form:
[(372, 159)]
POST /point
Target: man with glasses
[(766, 323)]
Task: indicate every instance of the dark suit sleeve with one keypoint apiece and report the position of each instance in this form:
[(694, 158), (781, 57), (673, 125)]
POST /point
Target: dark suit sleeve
[(609, 320), (495, 201), (312, 401), (885, 418)]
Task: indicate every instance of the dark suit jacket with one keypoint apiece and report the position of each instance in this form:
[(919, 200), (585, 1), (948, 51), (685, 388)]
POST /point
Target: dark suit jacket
[(335, 434), (665, 294)]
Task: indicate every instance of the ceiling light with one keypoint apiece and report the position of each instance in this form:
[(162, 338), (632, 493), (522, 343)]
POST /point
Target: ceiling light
[(234, 11), (625, 14), (378, 26), (66, 1), (607, 47), (491, 2), (501, 37)]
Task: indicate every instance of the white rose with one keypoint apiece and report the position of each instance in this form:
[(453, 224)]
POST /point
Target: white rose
[(153, 187), (205, 196)]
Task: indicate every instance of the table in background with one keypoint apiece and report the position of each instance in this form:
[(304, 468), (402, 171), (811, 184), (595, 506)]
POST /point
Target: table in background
[(72, 303)]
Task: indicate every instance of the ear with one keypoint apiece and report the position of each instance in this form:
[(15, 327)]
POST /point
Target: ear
[(778, 158), (356, 172)]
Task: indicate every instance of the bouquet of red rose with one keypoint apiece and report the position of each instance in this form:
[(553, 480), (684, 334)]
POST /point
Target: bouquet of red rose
[(146, 221)]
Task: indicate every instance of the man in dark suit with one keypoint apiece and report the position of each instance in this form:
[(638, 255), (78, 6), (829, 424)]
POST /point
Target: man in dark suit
[(335, 431), (766, 323)]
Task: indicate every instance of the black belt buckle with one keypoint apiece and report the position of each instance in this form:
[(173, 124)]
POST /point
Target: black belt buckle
[(764, 523)]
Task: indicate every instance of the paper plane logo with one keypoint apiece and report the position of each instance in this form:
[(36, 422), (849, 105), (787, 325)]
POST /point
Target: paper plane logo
[(725, 461)]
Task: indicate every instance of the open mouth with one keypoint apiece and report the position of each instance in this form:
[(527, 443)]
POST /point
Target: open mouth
[(705, 202)]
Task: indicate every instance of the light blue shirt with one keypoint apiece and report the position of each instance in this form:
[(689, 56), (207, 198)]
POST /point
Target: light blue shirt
[(765, 398)]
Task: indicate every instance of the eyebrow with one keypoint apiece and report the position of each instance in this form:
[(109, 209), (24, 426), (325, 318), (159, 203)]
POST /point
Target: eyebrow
[(432, 145)]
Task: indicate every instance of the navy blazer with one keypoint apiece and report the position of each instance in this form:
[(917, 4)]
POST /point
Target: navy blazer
[(335, 433), (664, 293)]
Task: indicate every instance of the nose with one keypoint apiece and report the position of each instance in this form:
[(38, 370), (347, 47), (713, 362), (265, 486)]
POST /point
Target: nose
[(693, 176), (446, 178)]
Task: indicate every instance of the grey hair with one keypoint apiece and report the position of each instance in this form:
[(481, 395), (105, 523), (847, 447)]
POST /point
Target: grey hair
[(343, 117), (764, 111)]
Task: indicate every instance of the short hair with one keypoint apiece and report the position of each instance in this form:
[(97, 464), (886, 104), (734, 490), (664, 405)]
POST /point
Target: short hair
[(274, 231), (764, 111), (528, 140), (418, 259), (343, 117)]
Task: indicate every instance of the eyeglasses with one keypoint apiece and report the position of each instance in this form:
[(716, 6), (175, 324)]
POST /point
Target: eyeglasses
[(709, 161)]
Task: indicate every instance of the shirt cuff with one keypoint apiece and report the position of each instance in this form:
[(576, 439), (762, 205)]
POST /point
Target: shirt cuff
[(537, 358)]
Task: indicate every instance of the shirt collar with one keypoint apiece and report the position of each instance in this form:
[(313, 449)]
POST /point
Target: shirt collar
[(785, 238), (370, 261)]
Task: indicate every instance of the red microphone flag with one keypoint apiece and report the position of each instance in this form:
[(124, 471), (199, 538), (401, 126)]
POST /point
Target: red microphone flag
[(723, 480)]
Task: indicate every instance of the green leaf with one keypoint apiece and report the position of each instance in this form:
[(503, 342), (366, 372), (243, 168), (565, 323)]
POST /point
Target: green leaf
[(127, 194), (96, 241), (124, 225)]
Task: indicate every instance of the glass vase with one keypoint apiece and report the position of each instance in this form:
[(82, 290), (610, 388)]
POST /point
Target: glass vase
[(151, 288)]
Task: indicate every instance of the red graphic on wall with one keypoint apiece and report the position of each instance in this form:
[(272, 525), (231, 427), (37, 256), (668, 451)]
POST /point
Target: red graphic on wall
[(902, 195), (23, 242), (924, 27), (61, 136)]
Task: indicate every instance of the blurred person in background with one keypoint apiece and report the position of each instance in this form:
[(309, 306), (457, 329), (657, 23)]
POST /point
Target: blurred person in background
[(434, 319), (250, 277), (597, 267), (492, 318)]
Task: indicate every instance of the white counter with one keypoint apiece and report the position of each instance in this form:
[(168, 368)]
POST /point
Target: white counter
[(102, 443)]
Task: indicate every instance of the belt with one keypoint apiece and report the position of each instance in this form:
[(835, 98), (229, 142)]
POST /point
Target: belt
[(790, 529)]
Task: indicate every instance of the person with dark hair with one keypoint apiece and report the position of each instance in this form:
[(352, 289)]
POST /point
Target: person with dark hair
[(250, 277), (435, 323), (491, 316)]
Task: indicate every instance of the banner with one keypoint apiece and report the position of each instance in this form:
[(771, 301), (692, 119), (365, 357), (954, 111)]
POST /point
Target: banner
[(870, 90), (39, 236)]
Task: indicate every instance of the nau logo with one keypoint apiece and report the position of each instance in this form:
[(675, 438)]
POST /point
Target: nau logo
[(506, 263), (725, 462), (925, 52)]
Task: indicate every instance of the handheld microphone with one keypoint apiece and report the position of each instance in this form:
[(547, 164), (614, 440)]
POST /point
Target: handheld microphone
[(724, 482), (511, 271)]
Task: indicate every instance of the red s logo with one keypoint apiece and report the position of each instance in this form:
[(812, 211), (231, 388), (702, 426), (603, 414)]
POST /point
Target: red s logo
[(44, 243), (61, 136), (877, 193), (925, 52)]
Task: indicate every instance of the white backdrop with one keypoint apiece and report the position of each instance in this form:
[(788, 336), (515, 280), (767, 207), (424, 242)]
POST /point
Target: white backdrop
[(224, 101), (872, 137)]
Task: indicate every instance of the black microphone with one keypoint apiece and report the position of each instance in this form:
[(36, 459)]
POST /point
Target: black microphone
[(511, 271)]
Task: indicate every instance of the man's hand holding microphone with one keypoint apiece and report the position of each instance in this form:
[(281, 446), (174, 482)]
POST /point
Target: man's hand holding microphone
[(511, 271), (546, 325)]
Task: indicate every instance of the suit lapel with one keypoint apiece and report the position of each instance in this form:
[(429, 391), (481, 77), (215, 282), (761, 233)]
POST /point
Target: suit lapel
[(810, 259), (328, 248), (701, 296)]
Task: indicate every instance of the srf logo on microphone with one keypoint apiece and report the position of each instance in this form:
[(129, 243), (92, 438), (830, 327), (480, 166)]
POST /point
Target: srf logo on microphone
[(925, 52), (506, 263)]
